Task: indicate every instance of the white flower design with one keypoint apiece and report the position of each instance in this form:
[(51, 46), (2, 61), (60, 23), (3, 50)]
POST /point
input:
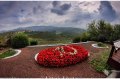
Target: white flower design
[(61, 50)]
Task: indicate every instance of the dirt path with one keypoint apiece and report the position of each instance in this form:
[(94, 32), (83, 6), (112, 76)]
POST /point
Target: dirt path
[(24, 66)]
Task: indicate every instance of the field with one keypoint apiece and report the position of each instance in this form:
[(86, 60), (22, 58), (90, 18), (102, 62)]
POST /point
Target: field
[(50, 37), (44, 37)]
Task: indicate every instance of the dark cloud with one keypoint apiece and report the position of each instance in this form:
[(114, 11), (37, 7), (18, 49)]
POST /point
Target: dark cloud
[(107, 12), (60, 9), (55, 3), (57, 11), (22, 10), (8, 10), (35, 10), (65, 6), (81, 16), (5, 7)]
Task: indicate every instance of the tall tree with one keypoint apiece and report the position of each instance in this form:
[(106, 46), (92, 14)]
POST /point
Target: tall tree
[(100, 31), (116, 34)]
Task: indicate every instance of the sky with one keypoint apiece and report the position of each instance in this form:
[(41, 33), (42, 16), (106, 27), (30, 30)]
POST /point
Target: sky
[(16, 14)]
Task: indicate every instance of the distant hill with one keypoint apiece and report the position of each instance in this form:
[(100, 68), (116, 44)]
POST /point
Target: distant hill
[(51, 29), (48, 34)]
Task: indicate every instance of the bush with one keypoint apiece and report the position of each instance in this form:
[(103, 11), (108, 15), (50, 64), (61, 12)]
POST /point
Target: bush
[(33, 42), (76, 40), (101, 38), (19, 40), (101, 44)]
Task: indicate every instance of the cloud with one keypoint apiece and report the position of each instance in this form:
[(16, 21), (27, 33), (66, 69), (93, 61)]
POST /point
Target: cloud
[(55, 3), (5, 9), (107, 11), (4, 6), (116, 6), (60, 9), (57, 13)]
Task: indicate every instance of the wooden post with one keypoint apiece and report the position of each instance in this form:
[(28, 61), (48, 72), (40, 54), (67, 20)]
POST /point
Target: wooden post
[(111, 53)]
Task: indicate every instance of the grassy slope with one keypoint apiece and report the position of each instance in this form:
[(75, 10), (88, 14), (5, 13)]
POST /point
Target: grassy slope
[(47, 37), (51, 37), (100, 63)]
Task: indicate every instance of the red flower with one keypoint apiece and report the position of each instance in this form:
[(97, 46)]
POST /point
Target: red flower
[(62, 55)]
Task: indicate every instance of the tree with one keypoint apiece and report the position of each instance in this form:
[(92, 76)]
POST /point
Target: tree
[(85, 37), (116, 34), (92, 30), (100, 31)]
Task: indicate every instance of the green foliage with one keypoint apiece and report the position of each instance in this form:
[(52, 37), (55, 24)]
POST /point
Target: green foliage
[(92, 30), (102, 31), (33, 42), (100, 63), (85, 37), (101, 44), (76, 40), (5, 39), (51, 37), (7, 53), (116, 33), (19, 40), (2, 42), (8, 38)]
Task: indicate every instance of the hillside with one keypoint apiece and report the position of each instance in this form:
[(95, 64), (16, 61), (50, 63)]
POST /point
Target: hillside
[(48, 34), (51, 29)]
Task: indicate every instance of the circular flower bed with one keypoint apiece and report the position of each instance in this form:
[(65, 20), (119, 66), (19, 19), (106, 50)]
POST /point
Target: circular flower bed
[(60, 56)]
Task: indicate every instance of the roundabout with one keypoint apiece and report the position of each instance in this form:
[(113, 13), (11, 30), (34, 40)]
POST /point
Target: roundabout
[(61, 56)]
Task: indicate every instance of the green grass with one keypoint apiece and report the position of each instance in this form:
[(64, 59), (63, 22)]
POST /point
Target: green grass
[(100, 63), (50, 37), (42, 41), (7, 53), (46, 37), (101, 44)]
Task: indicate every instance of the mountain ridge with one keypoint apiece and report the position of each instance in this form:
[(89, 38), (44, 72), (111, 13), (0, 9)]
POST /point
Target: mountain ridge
[(50, 29)]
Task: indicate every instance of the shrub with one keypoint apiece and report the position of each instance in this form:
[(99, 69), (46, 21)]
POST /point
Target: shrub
[(8, 42), (101, 44), (101, 38), (19, 40), (33, 42), (76, 40)]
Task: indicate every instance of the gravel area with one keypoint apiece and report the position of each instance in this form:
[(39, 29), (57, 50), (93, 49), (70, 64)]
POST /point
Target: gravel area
[(25, 66)]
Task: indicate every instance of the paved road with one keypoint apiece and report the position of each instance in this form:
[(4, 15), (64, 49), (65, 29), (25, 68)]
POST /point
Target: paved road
[(24, 66)]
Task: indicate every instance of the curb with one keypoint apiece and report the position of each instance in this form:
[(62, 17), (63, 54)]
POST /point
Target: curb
[(96, 46), (17, 53), (35, 57)]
